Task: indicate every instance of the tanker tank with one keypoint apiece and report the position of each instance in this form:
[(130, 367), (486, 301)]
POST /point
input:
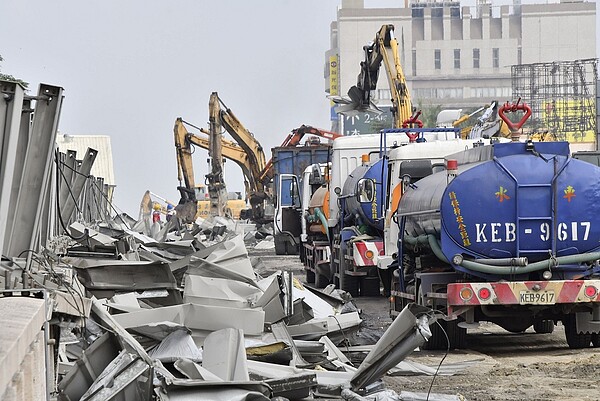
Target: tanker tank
[(531, 208), (363, 195)]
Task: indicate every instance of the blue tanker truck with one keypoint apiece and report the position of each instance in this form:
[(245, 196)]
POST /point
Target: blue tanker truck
[(508, 234)]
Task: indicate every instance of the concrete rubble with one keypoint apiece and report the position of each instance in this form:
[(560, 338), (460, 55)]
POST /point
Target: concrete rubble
[(126, 309)]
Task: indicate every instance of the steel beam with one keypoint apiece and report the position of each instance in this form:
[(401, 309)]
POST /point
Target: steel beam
[(23, 141), (11, 105), (36, 170), (66, 210)]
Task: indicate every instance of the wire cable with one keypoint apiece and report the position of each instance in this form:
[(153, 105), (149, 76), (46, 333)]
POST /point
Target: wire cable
[(443, 358)]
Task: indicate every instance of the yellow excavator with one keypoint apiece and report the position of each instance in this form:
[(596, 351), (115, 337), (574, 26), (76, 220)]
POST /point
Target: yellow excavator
[(195, 198), (488, 124), (383, 50), (247, 153), (258, 191)]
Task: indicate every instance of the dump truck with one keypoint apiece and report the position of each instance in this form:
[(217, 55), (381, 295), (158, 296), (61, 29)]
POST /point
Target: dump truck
[(289, 164)]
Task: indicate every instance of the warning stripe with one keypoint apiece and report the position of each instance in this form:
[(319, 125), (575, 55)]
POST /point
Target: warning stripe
[(360, 247), (508, 292)]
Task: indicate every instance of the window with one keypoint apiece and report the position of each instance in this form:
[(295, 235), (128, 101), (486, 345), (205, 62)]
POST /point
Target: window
[(437, 59), (475, 58), (456, 58), (417, 12), (414, 63), (496, 57)]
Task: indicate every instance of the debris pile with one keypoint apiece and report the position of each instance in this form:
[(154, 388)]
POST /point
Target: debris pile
[(146, 310), (138, 318)]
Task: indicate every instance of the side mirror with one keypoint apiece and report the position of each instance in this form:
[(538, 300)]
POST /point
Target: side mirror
[(365, 191)]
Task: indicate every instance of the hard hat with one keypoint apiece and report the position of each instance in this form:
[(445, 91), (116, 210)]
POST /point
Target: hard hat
[(169, 207), (156, 206)]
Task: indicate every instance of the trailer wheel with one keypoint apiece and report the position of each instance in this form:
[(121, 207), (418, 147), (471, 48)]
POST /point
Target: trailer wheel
[(574, 339), (310, 276), (543, 326)]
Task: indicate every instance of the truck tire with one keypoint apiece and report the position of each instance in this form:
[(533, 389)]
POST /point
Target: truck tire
[(310, 276), (543, 326), (321, 281), (290, 249), (279, 247), (574, 339), (444, 334), (369, 287), (351, 284)]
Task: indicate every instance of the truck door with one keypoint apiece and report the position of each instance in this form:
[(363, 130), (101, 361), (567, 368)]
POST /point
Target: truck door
[(287, 222)]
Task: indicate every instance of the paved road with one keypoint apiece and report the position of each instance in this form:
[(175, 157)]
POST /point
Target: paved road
[(509, 366)]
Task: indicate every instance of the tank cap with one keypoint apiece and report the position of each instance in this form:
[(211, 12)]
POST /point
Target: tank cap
[(452, 164)]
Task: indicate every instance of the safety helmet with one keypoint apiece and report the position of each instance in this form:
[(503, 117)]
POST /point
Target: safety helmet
[(156, 206), (169, 207)]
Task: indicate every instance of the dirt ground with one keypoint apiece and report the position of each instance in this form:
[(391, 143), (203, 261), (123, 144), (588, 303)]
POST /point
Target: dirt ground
[(509, 366)]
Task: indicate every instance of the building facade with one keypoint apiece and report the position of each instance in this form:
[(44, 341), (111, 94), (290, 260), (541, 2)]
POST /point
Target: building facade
[(458, 56)]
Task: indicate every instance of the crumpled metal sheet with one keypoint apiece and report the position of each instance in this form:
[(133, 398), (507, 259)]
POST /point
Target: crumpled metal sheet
[(178, 344), (198, 317), (127, 377), (406, 333), (412, 368), (125, 275), (218, 392), (225, 355), (89, 367)]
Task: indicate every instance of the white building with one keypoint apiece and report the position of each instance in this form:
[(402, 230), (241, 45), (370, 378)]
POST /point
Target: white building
[(455, 56)]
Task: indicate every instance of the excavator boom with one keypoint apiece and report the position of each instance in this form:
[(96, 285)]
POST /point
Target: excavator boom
[(383, 50)]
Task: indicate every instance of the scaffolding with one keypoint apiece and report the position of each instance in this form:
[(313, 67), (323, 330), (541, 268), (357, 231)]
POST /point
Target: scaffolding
[(562, 97)]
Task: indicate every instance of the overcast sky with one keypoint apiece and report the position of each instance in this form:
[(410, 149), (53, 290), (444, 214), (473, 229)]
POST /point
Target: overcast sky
[(130, 68)]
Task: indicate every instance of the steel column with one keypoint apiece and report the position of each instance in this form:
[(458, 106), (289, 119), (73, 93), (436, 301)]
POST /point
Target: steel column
[(36, 170), (10, 121)]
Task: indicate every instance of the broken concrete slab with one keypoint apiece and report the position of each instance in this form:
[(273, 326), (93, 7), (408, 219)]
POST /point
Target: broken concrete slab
[(23, 318)]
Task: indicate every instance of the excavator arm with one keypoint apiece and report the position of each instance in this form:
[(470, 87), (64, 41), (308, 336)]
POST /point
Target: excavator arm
[(293, 139), (230, 151), (188, 205), (245, 139), (383, 50)]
